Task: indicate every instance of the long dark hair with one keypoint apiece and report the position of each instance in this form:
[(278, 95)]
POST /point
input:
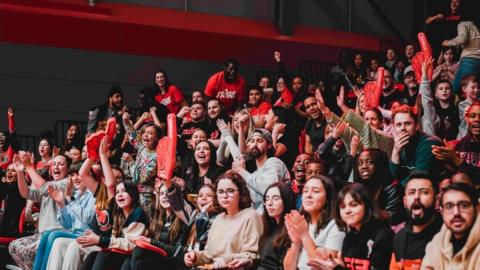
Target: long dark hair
[(327, 211), (159, 219), (360, 194), (118, 215), (281, 241), (167, 81), (212, 172), (380, 178)]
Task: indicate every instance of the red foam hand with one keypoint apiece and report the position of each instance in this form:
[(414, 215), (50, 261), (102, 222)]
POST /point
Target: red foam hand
[(11, 123), (111, 129), (373, 90), (420, 57), (424, 45), (166, 149), (151, 247), (93, 143)]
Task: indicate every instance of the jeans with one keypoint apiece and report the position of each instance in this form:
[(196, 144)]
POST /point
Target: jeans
[(468, 66), (45, 246)]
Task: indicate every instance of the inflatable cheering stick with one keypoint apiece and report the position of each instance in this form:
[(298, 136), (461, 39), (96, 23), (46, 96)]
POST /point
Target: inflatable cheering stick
[(166, 149), (93, 143)]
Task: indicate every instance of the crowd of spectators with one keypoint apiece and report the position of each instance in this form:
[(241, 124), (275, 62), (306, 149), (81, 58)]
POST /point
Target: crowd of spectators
[(270, 175)]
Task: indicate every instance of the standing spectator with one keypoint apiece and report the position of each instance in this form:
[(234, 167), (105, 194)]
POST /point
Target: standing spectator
[(269, 169), (412, 149), (98, 116), (227, 86), (468, 37), (443, 23), (390, 60), (457, 245), (74, 138), (390, 94), (168, 94), (315, 126), (150, 110), (13, 203), (422, 222), (372, 69)]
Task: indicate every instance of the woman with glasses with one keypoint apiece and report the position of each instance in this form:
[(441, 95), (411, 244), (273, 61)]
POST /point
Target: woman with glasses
[(233, 240)]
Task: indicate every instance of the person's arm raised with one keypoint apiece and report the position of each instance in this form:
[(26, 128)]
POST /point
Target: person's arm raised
[(87, 179), (110, 181), (26, 158)]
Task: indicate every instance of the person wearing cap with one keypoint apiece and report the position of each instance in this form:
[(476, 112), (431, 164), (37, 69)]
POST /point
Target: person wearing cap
[(410, 91), (269, 169), (114, 107)]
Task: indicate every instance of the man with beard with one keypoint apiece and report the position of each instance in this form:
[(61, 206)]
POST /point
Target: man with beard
[(269, 169), (98, 116), (390, 94), (227, 86), (457, 245), (410, 92), (422, 222)]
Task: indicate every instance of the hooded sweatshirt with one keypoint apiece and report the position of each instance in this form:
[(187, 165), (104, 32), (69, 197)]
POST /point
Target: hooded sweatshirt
[(439, 253), (409, 247)]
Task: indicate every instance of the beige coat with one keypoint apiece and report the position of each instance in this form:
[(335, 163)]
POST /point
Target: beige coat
[(439, 252)]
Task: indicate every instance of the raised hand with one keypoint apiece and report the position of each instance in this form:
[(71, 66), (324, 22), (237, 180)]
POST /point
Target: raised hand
[(354, 144), (190, 258), (57, 195)]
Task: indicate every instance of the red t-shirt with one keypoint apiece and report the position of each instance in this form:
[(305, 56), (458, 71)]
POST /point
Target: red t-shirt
[(228, 94), (262, 109), (171, 99), (285, 97)]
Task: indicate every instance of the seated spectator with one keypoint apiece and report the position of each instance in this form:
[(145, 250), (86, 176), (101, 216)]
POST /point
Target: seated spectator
[(76, 210), (278, 201), (422, 222), (283, 97), (69, 253), (390, 94), (372, 69), (198, 96), (258, 106), (338, 159), (462, 155), (285, 139), (368, 243), (13, 202), (234, 238), (45, 153), (440, 115), (460, 235), (468, 37), (371, 170), (198, 114), (410, 92), (166, 93), (298, 176), (150, 110), (269, 169), (23, 250), (412, 149), (167, 231), (207, 209), (129, 223), (145, 165), (114, 107), (227, 86), (410, 52), (313, 231), (8, 141), (471, 91), (215, 111), (390, 60), (204, 169), (234, 137), (446, 68)]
